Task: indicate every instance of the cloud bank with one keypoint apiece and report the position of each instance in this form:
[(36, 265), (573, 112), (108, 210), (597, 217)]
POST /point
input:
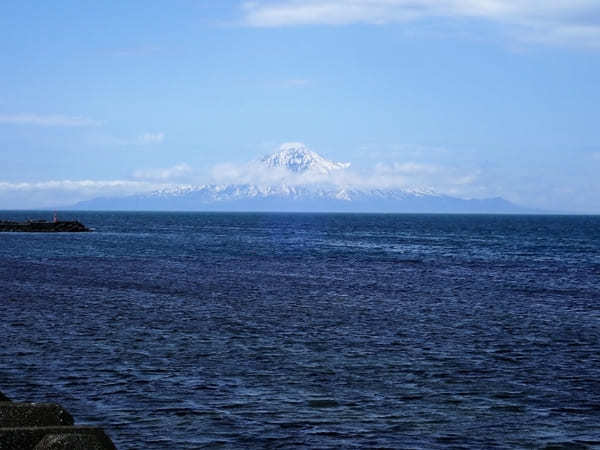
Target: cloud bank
[(410, 175), (574, 22), (415, 174), (406, 175), (75, 185), (57, 193)]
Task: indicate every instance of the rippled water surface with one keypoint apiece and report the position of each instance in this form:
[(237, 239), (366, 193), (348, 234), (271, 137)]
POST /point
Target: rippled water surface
[(180, 331)]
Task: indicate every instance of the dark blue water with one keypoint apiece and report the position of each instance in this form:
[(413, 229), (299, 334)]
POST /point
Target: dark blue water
[(179, 331)]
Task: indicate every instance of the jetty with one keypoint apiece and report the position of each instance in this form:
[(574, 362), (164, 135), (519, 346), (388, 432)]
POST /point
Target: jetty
[(43, 226), (46, 426)]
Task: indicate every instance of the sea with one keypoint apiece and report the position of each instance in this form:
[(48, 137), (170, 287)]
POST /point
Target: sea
[(218, 330)]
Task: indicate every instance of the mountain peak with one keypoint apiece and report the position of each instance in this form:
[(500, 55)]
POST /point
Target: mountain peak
[(296, 157)]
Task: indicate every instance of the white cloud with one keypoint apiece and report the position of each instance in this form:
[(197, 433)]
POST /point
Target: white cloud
[(435, 177), (54, 120), (169, 173), (574, 22), (408, 168), (55, 193), (151, 138)]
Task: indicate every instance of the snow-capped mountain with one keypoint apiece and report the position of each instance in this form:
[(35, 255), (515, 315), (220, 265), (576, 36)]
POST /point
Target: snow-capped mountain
[(296, 157), (310, 185)]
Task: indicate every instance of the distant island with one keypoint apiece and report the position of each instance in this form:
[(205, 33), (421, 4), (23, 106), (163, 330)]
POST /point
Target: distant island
[(307, 182)]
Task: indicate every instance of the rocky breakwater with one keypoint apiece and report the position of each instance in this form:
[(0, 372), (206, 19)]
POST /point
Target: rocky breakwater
[(45, 426), (43, 226)]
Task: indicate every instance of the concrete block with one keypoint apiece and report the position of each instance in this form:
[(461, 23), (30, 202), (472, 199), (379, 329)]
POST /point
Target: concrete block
[(75, 441), (33, 415), (27, 438)]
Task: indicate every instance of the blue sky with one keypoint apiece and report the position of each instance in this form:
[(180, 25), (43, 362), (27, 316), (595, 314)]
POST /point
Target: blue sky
[(475, 98)]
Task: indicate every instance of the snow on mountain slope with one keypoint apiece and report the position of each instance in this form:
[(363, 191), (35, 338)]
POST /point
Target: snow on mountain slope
[(297, 158), (226, 192)]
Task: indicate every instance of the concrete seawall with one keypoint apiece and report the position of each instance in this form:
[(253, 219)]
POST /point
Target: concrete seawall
[(42, 226), (46, 426)]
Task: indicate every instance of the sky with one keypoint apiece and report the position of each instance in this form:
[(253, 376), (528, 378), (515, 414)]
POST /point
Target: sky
[(472, 98)]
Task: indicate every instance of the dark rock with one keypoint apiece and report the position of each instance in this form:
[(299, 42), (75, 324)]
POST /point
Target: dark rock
[(73, 441), (27, 438), (33, 415), (4, 398)]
